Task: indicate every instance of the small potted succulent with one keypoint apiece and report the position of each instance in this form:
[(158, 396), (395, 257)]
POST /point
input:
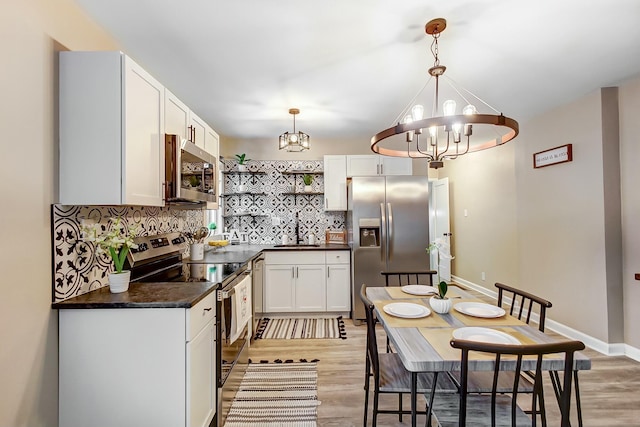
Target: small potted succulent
[(440, 303), (242, 162), (194, 181), (307, 179)]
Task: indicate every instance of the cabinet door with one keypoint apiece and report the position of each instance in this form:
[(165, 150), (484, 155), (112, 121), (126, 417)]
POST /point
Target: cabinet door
[(396, 166), (201, 381), (310, 288), (144, 137), (279, 288), (338, 287), (199, 131), (176, 116), (363, 165), (335, 183), (211, 142)]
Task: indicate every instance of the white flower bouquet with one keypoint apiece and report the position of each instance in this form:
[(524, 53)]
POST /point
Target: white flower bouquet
[(116, 241)]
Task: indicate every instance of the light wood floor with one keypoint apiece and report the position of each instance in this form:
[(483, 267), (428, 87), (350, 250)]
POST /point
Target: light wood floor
[(610, 392)]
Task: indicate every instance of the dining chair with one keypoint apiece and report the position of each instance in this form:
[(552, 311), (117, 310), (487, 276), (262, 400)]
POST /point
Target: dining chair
[(497, 409), (390, 376), (526, 307), (401, 278)]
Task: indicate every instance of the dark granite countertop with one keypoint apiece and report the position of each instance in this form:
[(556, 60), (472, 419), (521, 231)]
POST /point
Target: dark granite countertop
[(244, 253), (143, 295), (180, 294)]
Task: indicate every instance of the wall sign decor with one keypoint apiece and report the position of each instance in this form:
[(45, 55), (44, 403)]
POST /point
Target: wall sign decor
[(553, 156)]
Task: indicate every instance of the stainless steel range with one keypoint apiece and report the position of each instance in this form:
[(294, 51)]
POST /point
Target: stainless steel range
[(159, 259)]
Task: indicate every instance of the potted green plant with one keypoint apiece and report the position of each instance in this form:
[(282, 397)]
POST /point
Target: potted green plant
[(439, 302), (194, 181), (242, 162), (307, 179), (116, 241)]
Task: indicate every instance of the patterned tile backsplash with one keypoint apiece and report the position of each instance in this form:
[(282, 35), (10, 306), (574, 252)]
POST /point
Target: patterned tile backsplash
[(77, 269), (260, 202)]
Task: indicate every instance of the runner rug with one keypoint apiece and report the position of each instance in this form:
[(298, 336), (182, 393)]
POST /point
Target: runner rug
[(301, 328), (276, 394)]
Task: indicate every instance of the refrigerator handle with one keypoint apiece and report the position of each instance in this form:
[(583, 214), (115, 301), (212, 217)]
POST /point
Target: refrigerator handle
[(383, 235), (390, 230)]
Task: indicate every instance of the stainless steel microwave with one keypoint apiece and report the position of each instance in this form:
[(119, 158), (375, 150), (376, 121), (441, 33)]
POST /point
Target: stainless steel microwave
[(190, 172)]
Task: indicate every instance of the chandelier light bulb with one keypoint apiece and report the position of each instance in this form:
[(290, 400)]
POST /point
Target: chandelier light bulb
[(417, 112), (293, 137), (449, 107), (469, 110)]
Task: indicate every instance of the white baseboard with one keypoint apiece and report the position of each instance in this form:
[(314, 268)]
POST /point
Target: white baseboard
[(609, 349)]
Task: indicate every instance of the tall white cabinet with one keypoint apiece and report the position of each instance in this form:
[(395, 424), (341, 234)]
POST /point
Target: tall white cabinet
[(111, 131)]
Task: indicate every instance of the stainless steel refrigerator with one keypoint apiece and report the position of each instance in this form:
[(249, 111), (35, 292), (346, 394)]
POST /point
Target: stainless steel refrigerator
[(388, 226)]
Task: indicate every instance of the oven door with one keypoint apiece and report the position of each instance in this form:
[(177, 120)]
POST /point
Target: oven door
[(234, 340)]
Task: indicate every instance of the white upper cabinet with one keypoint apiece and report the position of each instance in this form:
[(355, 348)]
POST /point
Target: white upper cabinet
[(335, 183), (198, 128), (111, 131), (374, 165), (176, 116), (180, 120)]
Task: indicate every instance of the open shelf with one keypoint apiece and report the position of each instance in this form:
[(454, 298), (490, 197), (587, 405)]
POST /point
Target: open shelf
[(245, 172), (302, 172), (243, 194), (304, 193)]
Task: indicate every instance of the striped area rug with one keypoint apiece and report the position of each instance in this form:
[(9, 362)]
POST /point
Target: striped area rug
[(276, 394), (291, 328)]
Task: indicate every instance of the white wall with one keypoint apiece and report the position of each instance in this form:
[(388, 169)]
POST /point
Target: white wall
[(29, 30)]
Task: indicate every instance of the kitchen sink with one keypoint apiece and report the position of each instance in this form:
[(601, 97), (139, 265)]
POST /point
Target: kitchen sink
[(296, 245)]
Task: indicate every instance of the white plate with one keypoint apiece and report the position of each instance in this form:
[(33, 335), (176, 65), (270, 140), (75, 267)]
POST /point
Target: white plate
[(407, 310), (484, 335), (419, 290), (479, 309)]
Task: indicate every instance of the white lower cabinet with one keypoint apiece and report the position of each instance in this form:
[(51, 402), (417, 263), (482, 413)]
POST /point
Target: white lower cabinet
[(132, 367), (310, 288), (307, 281), (338, 281)]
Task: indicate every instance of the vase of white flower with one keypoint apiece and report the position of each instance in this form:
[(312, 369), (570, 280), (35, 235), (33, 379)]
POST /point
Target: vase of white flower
[(116, 242), (440, 303)]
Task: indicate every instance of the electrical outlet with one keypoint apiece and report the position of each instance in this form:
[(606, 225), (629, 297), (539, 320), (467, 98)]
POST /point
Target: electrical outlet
[(484, 277), (275, 220)]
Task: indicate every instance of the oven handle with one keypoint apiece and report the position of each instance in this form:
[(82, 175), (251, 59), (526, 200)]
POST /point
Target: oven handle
[(224, 294), (162, 270)]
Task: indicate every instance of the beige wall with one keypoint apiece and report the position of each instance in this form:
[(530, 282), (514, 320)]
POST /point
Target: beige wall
[(28, 327), (561, 216), (485, 240), (557, 231), (629, 97)]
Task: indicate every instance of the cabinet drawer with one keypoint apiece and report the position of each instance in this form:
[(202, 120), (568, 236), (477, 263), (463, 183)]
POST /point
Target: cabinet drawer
[(294, 257), (200, 314), (338, 257)]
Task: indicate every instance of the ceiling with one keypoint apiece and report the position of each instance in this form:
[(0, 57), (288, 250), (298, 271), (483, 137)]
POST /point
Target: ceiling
[(352, 66)]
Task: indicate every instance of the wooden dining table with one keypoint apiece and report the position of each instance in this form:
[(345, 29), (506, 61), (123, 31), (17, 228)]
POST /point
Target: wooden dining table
[(423, 344)]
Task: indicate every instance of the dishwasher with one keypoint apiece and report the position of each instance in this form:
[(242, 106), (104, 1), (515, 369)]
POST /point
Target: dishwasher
[(257, 267)]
